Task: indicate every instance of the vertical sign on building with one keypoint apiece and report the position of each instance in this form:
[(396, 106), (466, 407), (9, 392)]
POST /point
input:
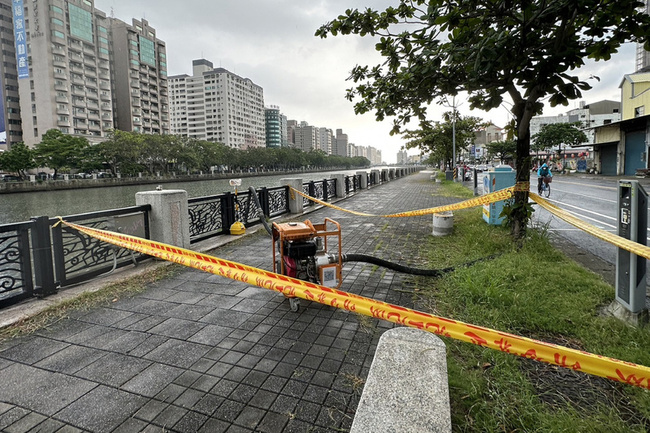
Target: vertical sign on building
[(20, 38)]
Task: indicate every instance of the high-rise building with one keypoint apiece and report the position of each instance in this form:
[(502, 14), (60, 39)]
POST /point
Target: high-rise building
[(643, 56), (139, 61), (83, 73), (273, 121), (68, 69), (325, 140), (306, 137), (340, 144), (217, 105), (10, 124)]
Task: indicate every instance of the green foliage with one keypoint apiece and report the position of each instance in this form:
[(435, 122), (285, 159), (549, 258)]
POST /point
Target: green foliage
[(17, 160), (60, 151), (526, 50), (131, 153), (502, 149), (436, 138), (554, 135)]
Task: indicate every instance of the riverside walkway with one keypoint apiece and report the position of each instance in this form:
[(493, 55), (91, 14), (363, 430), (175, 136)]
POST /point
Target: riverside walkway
[(198, 352)]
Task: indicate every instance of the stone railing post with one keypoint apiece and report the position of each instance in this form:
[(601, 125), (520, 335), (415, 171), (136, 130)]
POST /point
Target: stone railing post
[(384, 175), (296, 205), (407, 387), (169, 219), (340, 184)]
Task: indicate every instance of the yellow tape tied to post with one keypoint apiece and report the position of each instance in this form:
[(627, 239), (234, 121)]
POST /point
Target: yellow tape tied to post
[(620, 371)]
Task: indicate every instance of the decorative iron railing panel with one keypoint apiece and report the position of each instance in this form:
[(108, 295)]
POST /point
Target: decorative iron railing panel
[(78, 257), (16, 280), (206, 217), (331, 187), (278, 198), (306, 189)]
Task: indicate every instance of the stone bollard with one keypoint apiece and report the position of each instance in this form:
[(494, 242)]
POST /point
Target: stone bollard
[(169, 219), (296, 204), (443, 223), (340, 184), (407, 387), (363, 183)]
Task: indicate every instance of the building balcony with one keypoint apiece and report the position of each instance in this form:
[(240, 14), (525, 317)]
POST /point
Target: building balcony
[(136, 103), (75, 48), (93, 115), (59, 63), (91, 73), (65, 123), (92, 104), (62, 99), (79, 91), (89, 50), (135, 92), (107, 107), (94, 127), (105, 97), (62, 110), (61, 75), (135, 84), (107, 116), (58, 50), (104, 85), (78, 80), (61, 87)]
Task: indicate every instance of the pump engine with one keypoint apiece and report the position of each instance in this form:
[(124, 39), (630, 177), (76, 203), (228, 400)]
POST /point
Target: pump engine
[(300, 250)]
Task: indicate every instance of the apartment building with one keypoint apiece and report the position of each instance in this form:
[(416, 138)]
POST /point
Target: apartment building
[(276, 127), (140, 88), (340, 144), (10, 123), (325, 138), (306, 137), (63, 64), (217, 105)]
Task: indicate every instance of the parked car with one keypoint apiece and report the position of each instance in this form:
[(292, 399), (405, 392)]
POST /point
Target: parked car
[(10, 178)]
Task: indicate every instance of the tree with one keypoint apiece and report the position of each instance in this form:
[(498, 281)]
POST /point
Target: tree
[(18, 159), (58, 150), (502, 149), (558, 134), (120, 151), (438, 137), (524, 49)]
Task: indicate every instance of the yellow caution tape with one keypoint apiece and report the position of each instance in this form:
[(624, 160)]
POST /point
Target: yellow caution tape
[(619, 371), (493, 197), (626, 244)]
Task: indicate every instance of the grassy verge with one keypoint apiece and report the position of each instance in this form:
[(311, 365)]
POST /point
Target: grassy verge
[(105, 296), (536, 292)]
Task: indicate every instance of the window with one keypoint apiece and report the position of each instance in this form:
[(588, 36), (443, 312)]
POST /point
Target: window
[(58, 34), (639, 111), (56, 9), (57, 21)]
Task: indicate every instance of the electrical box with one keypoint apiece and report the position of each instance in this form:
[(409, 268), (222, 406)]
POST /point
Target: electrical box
[(633, 225), (497, 178)]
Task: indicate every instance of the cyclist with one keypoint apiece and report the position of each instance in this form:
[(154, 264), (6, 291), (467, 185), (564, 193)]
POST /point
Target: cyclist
[(543, 172)]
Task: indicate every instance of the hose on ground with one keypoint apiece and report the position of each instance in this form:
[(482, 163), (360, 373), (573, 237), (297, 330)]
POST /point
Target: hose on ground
[(406, 269), (253, 194)]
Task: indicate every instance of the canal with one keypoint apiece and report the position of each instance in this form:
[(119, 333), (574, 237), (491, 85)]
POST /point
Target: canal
[(22, 206)]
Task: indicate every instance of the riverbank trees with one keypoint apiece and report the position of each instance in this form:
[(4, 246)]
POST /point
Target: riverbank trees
[(130, 153)]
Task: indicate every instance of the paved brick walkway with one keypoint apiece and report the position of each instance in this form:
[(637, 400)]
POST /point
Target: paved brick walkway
[(198, 352)]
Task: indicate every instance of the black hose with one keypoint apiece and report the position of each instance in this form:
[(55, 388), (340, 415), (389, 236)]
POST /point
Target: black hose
[(404, 269), (253, 194)]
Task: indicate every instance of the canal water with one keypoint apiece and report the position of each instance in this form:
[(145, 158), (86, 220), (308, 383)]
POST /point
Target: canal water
[(23, 206)]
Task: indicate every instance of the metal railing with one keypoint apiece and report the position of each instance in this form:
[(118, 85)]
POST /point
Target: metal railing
[(213, 215), (38, 257)]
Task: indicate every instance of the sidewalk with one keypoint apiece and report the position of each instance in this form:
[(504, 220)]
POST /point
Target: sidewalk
[(198, 352)]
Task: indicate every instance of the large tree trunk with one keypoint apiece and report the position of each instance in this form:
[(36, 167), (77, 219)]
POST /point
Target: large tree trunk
[(519, 220)]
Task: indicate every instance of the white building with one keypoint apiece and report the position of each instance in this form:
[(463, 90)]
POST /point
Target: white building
[(217, 105)]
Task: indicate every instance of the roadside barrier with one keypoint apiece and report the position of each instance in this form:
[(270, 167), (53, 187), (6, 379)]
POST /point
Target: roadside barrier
[(613, 369)]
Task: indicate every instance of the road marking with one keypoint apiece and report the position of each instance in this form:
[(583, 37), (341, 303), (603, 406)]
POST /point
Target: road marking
[(589, 185), (560, 203)]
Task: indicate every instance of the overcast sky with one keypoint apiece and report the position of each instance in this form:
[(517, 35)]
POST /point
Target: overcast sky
[(272, 42)]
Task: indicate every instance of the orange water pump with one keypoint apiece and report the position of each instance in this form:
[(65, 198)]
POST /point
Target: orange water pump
[(300, 250)]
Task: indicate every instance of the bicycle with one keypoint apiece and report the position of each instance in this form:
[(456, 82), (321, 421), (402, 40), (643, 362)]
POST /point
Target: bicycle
[(544, 187)]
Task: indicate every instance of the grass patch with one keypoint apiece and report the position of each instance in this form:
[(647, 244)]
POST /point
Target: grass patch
[(86, 301), (454, 189), (537, 292)]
